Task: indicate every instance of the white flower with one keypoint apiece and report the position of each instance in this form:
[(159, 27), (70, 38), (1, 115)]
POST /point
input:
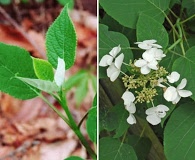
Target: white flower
[(158, 53), (131, 109), (173, 77), (147, 63), (147, 44), (108, 59), (59, 76), (128, 98), (173, 94), (155, 114), (114, 69), (160, 80)]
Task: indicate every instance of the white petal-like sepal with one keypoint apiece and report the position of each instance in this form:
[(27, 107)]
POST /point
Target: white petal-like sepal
[(184, 93), (106, 60), (113, 72), (153, 119), (182, 84), (115, 51), (131, 119), (59, 76), (170, 94), (119, 60), (131, 108), (128, 98), (173, 77), (140, 63), (155, 114)]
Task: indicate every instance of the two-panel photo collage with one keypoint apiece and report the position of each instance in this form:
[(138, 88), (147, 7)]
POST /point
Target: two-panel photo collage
[(97, 80)]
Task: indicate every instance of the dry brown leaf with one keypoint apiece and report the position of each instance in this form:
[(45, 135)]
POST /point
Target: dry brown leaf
[(4, 151), (58, 150)]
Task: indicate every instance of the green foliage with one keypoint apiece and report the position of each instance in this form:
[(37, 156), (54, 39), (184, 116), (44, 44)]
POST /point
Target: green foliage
[(43, 69), (115, 119), (171, 23), (5, 2), (145, 25), (92, 124), (40, 84), (185, 65), (61, 40), (126, 12), (74, 158), (70, 3), (179, 133), (15, 61), (81, 81), (110, 39), (141, 145), (111, 148)]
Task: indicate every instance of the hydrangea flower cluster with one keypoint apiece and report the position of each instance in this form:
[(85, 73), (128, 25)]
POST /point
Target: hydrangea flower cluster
[(145, 80)]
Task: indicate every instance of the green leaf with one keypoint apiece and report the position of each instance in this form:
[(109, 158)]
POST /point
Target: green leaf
[(115, 119), (179, 134), (113, 25), (190, 6), (15, 61), (61, 40), (110, 148), (141, 145), (74, 158), (81, 91), (186, 66), (94, 101), (121, 120), (70, 3), (43, 69), (126, 12), (40, 84), (148, 28), (110, 39), (93, 81), (5, 2), (92, 124)]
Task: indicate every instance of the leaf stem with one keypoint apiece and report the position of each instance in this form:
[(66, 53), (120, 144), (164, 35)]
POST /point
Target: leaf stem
[(81, 121), (54, 108), (75, 128), (171, 24), (173, 45), (189, 18)]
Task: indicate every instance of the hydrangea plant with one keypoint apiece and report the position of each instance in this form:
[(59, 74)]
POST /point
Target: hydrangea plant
[(25, 77), (146, 95)]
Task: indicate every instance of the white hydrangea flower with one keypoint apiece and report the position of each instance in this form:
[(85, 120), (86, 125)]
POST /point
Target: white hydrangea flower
[(147, 44), (131, 109), (160, 80), (147, 63), (114, 69), (158, 53), (59, 76), (155, 114), (128, 98), (173, 77), (173, 94), (108, 59)]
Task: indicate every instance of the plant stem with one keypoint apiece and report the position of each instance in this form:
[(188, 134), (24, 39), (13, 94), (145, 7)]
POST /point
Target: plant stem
[(55, 109), (75, 128), (187, 19), (171, 24), (81, 121), (173, 45)]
